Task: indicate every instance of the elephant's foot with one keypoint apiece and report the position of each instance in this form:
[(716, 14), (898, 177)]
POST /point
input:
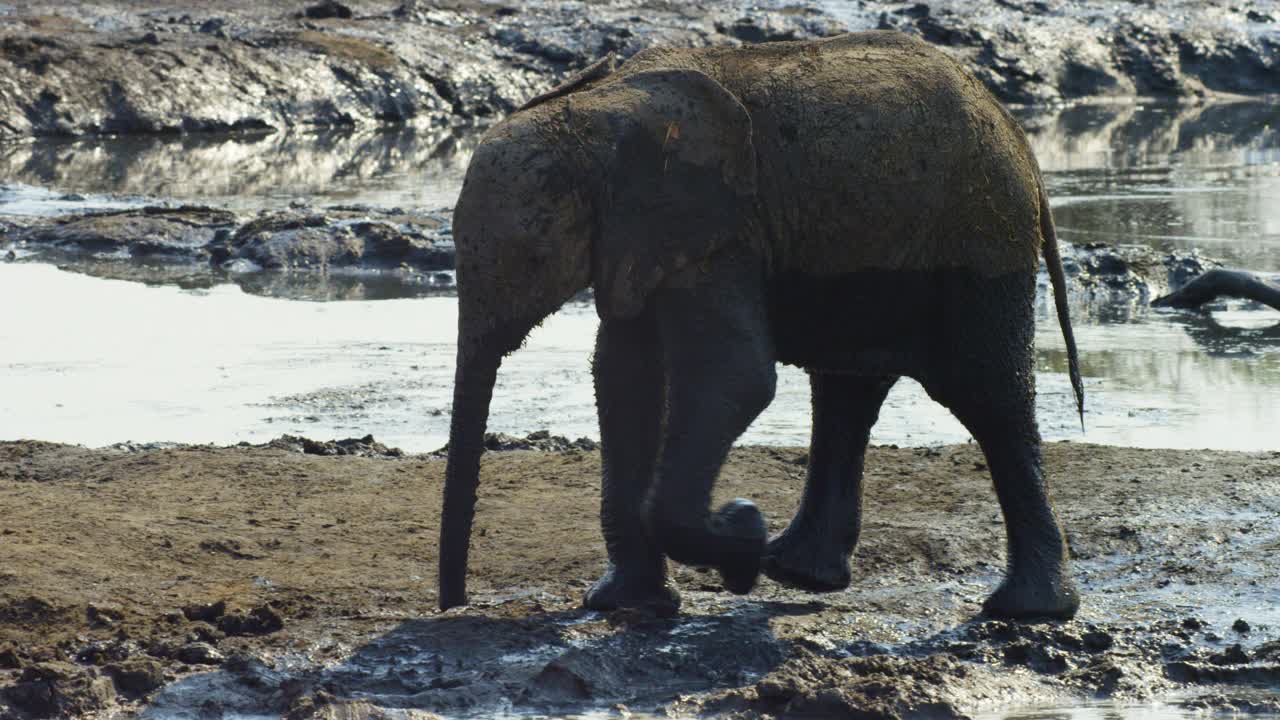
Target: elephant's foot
[(797, 560), (732, 541), (1023, 596), (615, 590), (741, 521)]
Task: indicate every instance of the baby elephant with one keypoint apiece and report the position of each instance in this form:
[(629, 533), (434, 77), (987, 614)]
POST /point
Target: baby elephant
[(858, 206)]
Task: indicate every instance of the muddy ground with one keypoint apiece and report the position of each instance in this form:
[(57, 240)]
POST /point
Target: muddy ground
[(200, 581)]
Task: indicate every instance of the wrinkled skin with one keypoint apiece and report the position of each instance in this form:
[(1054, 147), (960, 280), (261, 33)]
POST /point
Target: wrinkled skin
[(858, 206)]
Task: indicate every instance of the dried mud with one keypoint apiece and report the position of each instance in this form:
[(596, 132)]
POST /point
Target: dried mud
[(200, 581)]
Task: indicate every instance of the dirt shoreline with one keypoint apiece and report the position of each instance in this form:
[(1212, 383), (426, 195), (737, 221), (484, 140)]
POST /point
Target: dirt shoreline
[(191, 581)]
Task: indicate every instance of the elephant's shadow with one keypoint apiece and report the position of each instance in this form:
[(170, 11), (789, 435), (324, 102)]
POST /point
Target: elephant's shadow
[(570, 661)]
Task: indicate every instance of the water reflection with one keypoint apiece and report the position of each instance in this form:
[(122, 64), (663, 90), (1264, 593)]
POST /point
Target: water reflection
[(1219, 340), (1172, 177), (406, 167), (332, 286)]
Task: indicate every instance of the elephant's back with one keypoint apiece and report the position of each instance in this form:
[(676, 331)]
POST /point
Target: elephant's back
[(877, 151)]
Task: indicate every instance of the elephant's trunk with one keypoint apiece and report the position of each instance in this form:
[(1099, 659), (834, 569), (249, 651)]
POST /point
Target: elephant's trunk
[(472, 390)]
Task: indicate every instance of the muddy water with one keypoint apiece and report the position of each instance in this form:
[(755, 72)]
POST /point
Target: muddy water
[(96, 361)]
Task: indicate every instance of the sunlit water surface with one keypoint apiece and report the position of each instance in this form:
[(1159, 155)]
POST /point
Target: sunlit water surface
[(97, 361)]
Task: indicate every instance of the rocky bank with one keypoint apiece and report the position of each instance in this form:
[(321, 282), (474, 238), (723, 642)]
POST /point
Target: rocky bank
[(126, 66)]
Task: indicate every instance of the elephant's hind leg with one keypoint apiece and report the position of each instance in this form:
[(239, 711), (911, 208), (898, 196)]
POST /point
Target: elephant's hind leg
[(629, 397), (986, 377), (813, 552), (720, 375)]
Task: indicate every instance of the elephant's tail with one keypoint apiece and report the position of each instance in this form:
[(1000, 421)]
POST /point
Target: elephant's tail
[(1053, 264)]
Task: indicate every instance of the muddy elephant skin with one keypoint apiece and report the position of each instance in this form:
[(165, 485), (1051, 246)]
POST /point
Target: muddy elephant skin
[(859, 206)]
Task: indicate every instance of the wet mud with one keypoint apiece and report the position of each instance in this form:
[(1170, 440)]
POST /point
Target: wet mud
[(201, 581), (369, 253), (128, 67), (340, 252)]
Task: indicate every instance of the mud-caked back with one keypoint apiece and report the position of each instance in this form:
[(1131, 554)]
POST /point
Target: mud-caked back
[(879, 152)]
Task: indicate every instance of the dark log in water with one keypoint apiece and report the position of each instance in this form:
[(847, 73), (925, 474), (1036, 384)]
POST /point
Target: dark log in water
[(1218, 283)]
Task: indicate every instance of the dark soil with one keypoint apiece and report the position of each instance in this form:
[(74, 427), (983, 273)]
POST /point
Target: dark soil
[(273, 580)]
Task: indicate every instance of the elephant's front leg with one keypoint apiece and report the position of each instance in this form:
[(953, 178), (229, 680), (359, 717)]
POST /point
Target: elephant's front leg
[(629, 396), (720, 375), (813, 552)]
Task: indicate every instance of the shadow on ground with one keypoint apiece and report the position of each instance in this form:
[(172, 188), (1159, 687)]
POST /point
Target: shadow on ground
[(566, 661)]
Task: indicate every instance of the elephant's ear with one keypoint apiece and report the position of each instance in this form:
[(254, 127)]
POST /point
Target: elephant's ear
[(597, 70), (679, 176)]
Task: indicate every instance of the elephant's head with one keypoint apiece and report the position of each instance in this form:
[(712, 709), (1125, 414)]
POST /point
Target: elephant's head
[(617, 186)]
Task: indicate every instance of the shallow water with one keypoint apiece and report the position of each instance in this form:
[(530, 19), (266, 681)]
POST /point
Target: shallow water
[(98, 361)]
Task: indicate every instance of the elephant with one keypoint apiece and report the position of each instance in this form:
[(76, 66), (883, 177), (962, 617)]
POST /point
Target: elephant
[(858, 206)]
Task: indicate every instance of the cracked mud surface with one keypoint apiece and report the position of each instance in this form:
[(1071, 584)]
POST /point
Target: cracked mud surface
[(195, 581)]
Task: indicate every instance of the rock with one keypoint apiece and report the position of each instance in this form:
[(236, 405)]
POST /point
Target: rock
[(59, 690), (206, 612), (204, 632), (213, 26), (302, 241), (1241, 626), (151, 233), (261, 620), (1267, 651), (1103, 271), (1102, 674), (540, 440), (103, 615), (32, 609), (1234, 655), (9, 659), (199, 653), (360, 447), (1098, 641), (136, 677), (328, 9), (104, 651)]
